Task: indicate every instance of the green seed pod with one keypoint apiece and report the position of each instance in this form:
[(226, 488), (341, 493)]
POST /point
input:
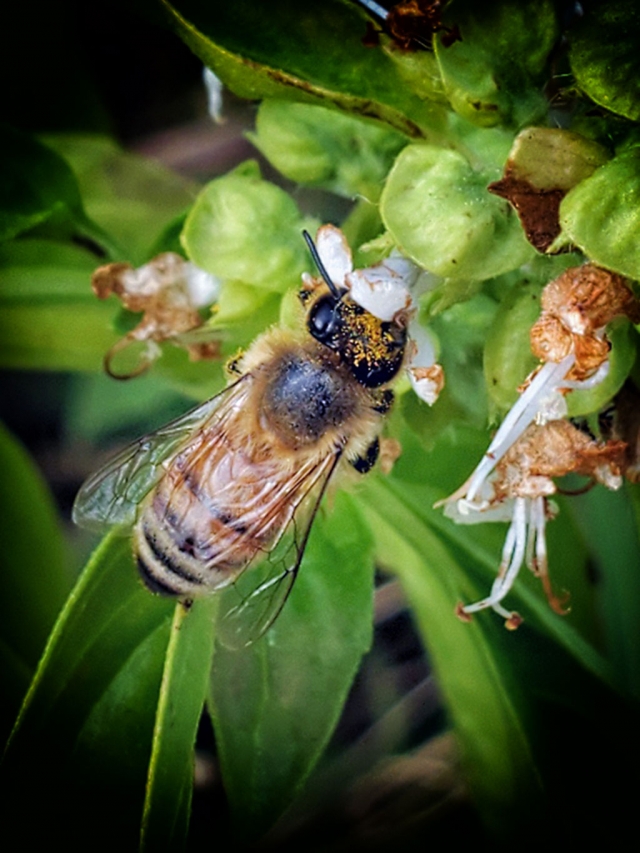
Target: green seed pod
[(601, 215), (249, 230), (508, 359), (441, 215)]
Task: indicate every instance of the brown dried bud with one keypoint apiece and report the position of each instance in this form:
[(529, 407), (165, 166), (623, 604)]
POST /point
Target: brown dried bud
[(550, 340), (588, 297)]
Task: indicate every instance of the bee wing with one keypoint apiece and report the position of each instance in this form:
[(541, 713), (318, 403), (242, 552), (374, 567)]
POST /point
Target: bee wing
[(252, 604), (111, 495)]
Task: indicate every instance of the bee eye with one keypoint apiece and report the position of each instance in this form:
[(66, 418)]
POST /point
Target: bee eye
[(323, 320)]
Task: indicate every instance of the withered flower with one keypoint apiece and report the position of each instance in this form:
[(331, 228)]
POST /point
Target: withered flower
[(169, 291), (534, 443), (518, 491)]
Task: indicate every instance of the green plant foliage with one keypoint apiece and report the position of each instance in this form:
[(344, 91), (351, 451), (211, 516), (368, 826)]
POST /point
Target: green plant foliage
[(601, 215), (492, 75), (36, 185), (273, 704), (248, 230), (604, 58), (319, 147), (105, 656), (281, 50), (50, 317), (185, 677), (34, 582), (545, 718), (133, 198)]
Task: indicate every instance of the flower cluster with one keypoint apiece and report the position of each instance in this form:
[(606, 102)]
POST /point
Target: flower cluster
[(386, 290), (169, 291), (535, 443)]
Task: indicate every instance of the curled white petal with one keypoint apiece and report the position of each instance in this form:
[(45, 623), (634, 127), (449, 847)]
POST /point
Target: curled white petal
[(423, 345), (591, 381), (334, 253), (464, 512)]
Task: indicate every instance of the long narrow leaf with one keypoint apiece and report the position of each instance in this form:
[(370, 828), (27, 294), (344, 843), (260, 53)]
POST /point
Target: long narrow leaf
[(275, 704), (182, 695), (87, 721)]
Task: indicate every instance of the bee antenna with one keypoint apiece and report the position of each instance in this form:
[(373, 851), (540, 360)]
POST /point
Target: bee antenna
[(321, 268)]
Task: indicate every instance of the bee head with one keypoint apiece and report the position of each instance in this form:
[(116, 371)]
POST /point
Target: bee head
[(371, 348)]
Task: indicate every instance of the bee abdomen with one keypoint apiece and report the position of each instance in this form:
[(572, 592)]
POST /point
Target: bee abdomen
[(193, 554)]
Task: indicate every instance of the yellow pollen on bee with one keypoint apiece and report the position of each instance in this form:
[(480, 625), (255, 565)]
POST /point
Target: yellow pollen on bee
[(368, 342)]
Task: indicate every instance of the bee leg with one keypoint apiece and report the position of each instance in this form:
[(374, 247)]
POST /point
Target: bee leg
[(233, 365), (365, 463), (383, 400)]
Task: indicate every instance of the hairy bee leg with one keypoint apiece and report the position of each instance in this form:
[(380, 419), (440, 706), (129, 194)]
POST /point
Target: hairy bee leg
[(383, 401), (365, 463)]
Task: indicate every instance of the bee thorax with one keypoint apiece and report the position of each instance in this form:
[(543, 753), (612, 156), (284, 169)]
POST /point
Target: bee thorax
[(304, 399)]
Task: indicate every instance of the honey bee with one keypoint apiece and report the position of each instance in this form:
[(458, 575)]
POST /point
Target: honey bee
[(235, 484)]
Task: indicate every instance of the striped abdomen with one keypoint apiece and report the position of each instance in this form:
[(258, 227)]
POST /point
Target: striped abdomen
[(214, 510)]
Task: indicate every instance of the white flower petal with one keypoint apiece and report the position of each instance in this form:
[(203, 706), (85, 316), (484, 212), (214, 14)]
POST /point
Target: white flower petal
[(202, 287), (381, 296), (334, 253)]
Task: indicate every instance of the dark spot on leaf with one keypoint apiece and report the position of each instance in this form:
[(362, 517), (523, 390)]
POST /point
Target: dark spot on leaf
[(537, 209)]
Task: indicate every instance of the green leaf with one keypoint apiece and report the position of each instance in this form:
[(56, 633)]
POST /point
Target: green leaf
[(607, 522), (249, 230), (35, 582), (184, 686), (51, 319), (492, 75), (440, 214), (480, 688), (492, 680), (275, 704), (601, 214), (35, 184), (322, 148), (603, 51), (133, 198), (312, 53), (89, 715)]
